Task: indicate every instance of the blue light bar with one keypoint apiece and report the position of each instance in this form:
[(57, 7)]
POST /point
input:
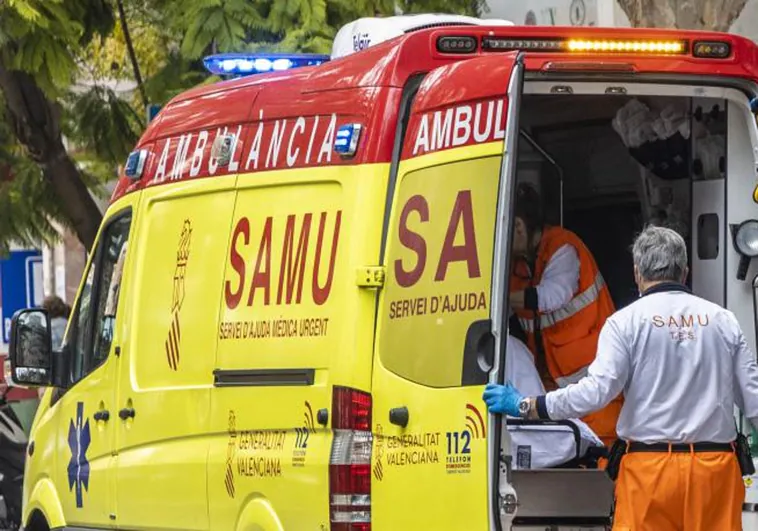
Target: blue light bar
[(245, 64), (135, 164)]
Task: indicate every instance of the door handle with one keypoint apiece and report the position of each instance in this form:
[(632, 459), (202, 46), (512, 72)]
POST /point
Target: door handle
[(126, 413), (399, 416), (103, 415), (478, 353)]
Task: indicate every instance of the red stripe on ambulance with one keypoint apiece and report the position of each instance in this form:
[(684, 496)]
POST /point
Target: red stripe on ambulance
[(277, 144), (457, 126)]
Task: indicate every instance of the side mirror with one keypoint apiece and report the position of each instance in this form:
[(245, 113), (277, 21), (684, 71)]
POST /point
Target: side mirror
[(30, 351)]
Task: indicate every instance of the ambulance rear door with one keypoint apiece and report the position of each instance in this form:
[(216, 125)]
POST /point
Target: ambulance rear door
[(441, 307)]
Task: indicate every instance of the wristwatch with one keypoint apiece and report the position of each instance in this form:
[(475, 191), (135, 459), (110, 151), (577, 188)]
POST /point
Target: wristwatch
[(523, 407)]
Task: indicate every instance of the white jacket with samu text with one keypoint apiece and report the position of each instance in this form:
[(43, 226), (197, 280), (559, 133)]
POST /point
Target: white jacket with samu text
[(682, 363)]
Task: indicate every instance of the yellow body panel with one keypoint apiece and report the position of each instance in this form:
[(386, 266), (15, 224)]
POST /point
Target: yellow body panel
[(432, 293), (233, 282), (196, 455), (67, 479), (40, 492), (45, 501), (269, 457), (167, 357)]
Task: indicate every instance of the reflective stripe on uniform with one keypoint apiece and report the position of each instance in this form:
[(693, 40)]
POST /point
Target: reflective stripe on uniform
[(574, 306), (564, 381)]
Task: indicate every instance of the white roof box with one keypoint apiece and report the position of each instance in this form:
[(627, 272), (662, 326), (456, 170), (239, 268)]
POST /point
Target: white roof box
[(364, 32)]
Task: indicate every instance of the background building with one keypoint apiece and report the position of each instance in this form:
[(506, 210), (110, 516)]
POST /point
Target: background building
[(593, 13)]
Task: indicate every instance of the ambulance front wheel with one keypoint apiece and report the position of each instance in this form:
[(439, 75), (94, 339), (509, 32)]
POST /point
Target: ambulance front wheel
[(37, 522)]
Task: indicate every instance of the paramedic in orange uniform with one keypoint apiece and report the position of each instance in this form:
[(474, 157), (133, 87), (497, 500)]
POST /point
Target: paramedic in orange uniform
[(683, 364), (561, 302)]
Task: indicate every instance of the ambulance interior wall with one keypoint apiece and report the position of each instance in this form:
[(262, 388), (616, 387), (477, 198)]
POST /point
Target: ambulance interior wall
[(607, 196)]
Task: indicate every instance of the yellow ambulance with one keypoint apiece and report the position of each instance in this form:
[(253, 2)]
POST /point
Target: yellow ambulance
[(299, 289)]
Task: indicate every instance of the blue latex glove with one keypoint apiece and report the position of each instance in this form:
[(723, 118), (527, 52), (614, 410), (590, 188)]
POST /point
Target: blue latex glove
[(502, 399)]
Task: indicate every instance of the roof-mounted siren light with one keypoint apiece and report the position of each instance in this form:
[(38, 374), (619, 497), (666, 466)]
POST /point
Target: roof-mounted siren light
[(362, 33), (245, 64)]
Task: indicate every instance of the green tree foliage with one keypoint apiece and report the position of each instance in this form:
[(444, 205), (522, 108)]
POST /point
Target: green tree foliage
[(21, 189), (286, 25), (40, 43), (59, 60), (105, 125)]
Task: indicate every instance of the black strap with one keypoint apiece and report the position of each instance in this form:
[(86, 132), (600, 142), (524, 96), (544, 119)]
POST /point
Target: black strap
[(540, 356), (516, 330), (680, 448)]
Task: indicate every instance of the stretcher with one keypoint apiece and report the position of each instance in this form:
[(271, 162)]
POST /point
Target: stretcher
[(551, 462), (540, 444)]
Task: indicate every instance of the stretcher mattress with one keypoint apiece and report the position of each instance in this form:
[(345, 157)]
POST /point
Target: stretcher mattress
[(548, 444), (539, 443)]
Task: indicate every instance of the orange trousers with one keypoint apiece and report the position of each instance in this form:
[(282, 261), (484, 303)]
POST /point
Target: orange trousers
[(679, 492)]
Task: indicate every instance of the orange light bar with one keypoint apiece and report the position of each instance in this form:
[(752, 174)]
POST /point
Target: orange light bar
[(626, 46)]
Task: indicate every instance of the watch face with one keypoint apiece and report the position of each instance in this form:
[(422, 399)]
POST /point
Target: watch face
[(523, 406)]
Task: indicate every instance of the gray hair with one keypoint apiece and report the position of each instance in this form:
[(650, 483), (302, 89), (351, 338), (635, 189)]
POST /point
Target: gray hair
[(660, 254)]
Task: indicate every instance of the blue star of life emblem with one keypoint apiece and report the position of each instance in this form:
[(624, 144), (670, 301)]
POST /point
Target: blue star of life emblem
[(78, 442)]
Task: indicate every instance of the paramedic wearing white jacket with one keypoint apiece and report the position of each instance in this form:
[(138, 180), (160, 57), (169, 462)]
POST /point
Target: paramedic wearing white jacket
[(682, 363), (561, 301)]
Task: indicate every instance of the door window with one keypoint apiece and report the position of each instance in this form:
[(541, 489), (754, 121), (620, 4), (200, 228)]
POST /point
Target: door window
[(89, 339)]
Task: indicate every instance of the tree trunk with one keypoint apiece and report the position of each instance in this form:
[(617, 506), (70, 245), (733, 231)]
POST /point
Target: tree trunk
[(132, 55), (713, 15), (36, 122)]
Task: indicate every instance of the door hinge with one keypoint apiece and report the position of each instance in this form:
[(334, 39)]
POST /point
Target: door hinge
[(509, 504), (370, 276)]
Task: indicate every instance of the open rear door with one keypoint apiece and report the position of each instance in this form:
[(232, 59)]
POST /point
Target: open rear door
[(441, 312)]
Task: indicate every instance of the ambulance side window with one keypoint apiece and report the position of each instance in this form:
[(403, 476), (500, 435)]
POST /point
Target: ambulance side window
[(95, 315), (79, 330), (439, 260)]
